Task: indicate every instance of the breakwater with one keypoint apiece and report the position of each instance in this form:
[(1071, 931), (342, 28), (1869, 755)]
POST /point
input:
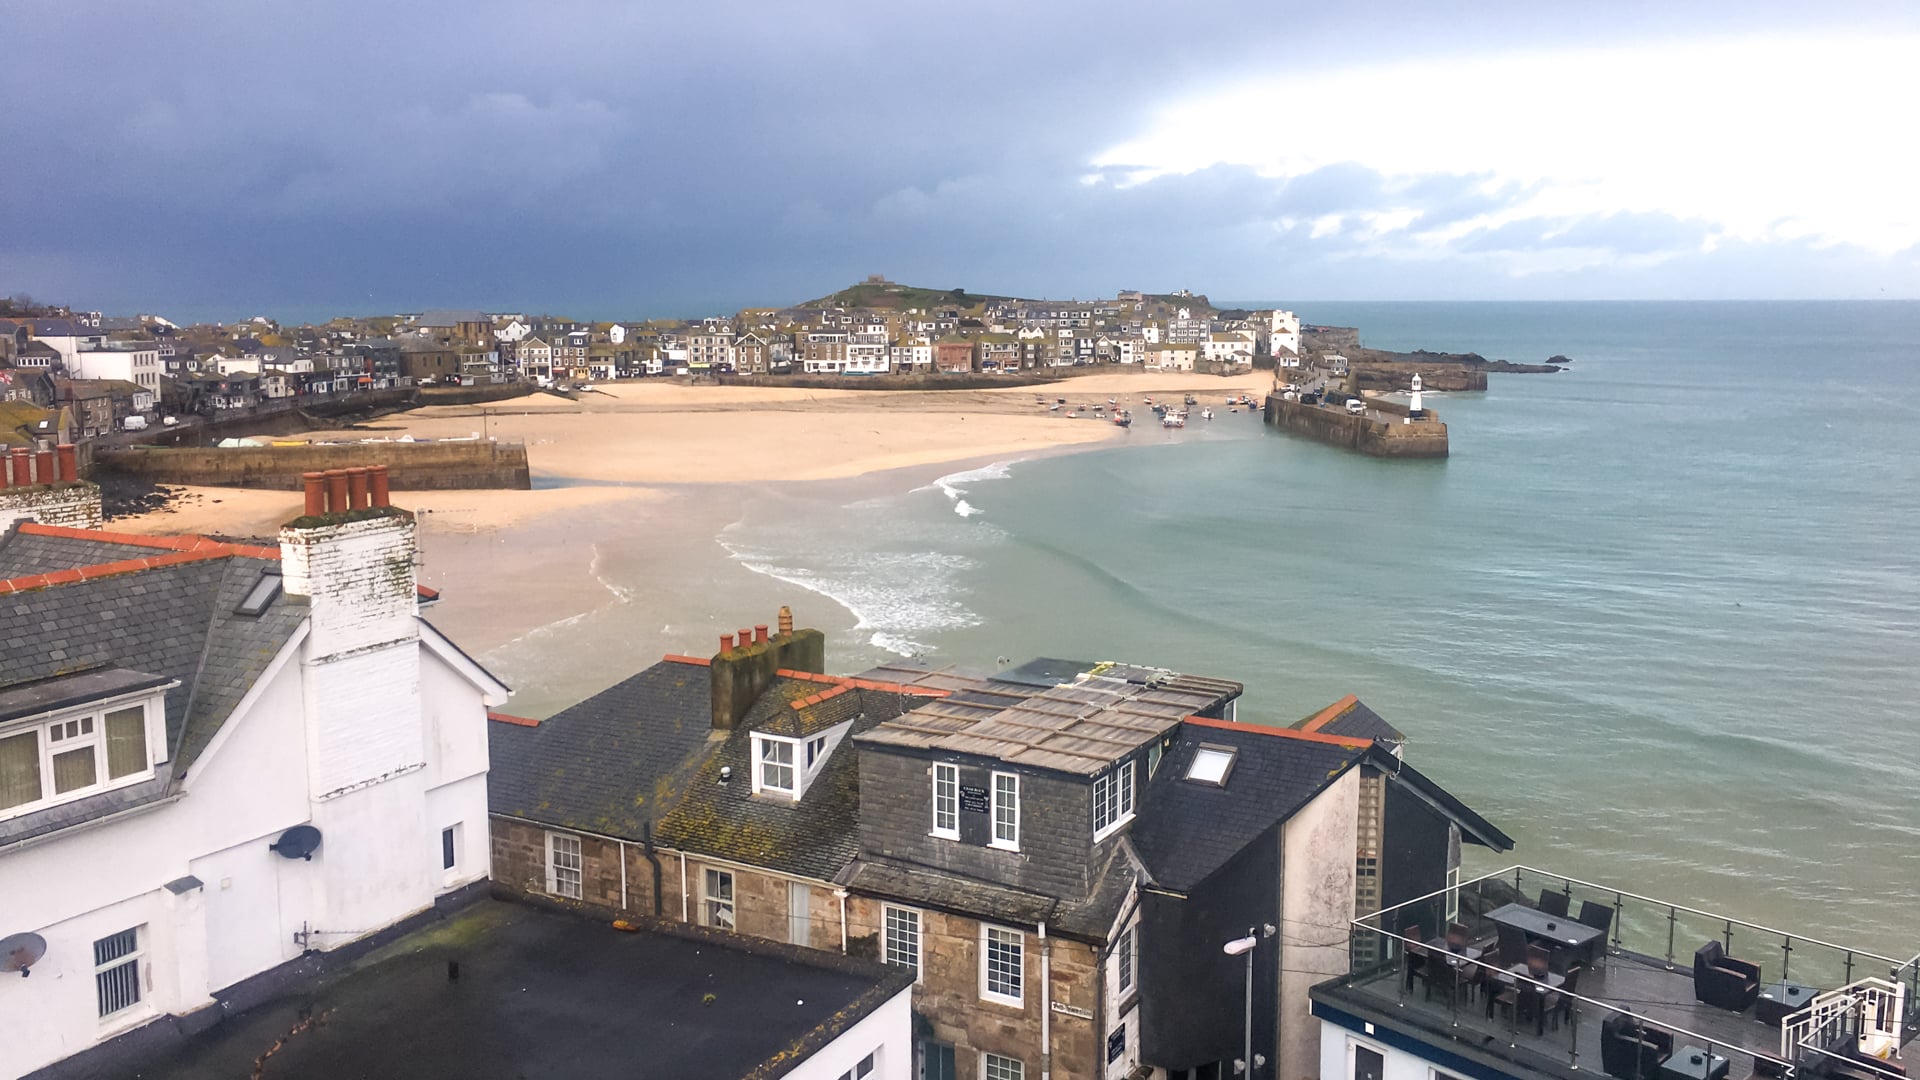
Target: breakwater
[(411, 466), (1385, 430)]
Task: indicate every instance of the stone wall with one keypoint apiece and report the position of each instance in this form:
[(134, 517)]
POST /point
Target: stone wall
[(1423, 439), (948, 994), (419, 466), (73, 506)]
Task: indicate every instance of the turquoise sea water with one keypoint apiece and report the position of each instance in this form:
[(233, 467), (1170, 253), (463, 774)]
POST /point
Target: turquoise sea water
[(1658, 616)]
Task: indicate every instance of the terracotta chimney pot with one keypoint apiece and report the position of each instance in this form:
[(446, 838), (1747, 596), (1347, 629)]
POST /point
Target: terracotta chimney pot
[(726, 644), (22, 466), (759, 632), (43, 466), (68, 468), (786, 620), (377, 485), (336, 491), (357, 487), (315, 486)]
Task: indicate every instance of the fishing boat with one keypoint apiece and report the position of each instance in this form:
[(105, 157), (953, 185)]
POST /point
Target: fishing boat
[(1206, 413), (1123, 418), (1174, 420), (1191, 400)]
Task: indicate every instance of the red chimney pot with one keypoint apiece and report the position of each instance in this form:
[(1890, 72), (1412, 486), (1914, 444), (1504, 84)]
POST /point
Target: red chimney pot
[(43, 466), (746, 637), (759, 632), (22, 466), (357, 487), (315, 485), (69, 463), (726, 644), (377, 485), (336, 491)]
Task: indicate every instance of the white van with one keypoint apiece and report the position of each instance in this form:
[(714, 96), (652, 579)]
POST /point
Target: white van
[(1356, 407), (134, 423)]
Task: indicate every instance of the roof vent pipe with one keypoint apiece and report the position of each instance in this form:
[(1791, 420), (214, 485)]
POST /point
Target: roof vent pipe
[(786, 620)]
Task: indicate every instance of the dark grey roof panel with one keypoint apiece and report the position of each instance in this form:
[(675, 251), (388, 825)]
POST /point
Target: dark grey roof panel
[(24, 554), (65, 691), (1360, 722), (1188, 829), (606, 764)]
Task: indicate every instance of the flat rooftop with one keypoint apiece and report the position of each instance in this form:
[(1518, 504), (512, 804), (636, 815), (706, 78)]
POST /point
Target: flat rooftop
[(1642, 966), (539, 993), (1068, 716)]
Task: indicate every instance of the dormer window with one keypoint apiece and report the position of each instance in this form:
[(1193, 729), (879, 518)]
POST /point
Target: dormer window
[(76, 754), (1112, 800), (776, 766)]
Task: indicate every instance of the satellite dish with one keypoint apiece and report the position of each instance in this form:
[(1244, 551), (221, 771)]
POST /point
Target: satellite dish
[(18, 952), (299, 842)]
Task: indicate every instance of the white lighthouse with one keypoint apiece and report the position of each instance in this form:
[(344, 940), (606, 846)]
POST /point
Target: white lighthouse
[(1414, 405)]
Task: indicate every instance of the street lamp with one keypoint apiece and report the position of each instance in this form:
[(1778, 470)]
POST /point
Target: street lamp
[(1244, 946)]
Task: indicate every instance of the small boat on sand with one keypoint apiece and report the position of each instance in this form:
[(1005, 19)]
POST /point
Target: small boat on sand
[(1174, 420), (1123, 418)]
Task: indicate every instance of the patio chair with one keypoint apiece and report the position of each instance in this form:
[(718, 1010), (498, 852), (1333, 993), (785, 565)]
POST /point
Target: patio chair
[(1416, 950), (1513, 944), (1553, 902), (1723, 981), (1600, 917), (1456, 936), (1560, 1002), (1631, 1051)]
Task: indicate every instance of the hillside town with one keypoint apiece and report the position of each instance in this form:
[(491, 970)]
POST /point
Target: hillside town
[(260, 816), (98, 374)]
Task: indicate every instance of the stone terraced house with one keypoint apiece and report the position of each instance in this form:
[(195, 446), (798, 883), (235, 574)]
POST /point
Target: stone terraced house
[(1058, 851)]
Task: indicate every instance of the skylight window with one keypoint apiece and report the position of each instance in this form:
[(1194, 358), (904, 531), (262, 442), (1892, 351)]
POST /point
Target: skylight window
[(260, 597), (1210, 765)]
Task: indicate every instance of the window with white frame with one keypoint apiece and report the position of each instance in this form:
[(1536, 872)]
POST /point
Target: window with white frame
[(1453, 894), (54, 761), (563, 865), (998, 1067), (1002, 965), (816, 751), (116, 972), (716, 905), (861, 1070), (901, 945), (1123, 960), (1006, 810), (1113, 799), (775, 772), (946, 801), (1365, 1062), (450, 847)]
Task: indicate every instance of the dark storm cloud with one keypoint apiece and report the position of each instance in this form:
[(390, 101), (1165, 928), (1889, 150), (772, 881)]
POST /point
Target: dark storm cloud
[(230, 156)]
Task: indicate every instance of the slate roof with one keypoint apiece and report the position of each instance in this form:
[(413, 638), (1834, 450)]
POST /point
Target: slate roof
[(815, 837), (174, 620), (607, 764), (1186, 830), (1350, 717)]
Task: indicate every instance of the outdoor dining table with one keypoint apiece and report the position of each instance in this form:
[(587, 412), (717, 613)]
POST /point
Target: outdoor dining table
[(1512, 976), (1558, 931)]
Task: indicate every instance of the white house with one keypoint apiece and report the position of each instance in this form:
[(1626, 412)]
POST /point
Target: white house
[(1283, 335), (134, 362), (913, 355), (217, 757), (1229, 347)]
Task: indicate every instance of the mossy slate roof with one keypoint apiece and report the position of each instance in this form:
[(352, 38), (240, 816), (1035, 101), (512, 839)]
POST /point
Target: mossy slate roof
[(607, 764)]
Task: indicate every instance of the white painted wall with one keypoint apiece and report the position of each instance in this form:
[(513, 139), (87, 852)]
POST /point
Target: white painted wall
[(1316, 899), (887, 1029), (379, 859), (1336, 1057)]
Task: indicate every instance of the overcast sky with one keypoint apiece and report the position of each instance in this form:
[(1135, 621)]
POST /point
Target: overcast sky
[(221, 158)]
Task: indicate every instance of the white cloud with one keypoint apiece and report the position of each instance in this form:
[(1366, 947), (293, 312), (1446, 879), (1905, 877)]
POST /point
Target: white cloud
[(1765, 138)]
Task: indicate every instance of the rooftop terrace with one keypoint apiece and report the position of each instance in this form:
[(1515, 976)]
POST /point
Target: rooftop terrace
[(1641, 965), (537, 993), (1050, 714)]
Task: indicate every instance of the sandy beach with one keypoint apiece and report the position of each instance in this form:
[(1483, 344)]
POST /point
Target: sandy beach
[(617, 442), (619, 546)]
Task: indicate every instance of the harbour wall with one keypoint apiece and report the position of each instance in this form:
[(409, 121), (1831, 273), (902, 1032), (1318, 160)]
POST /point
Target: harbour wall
[(1426, 438), (416, 466)]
